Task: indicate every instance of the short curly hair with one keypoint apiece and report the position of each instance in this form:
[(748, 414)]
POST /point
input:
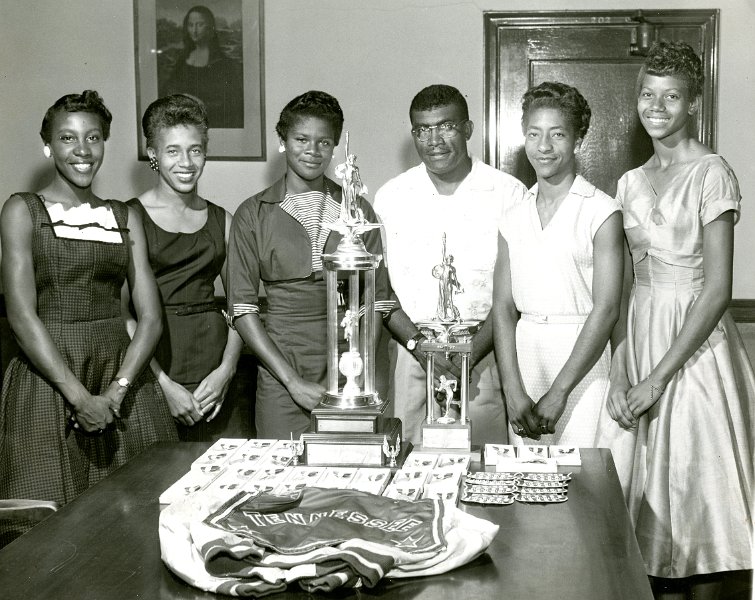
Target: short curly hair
[(173, 111), (311, 104), (88, 101), (437, 95), (564, 98), (677, 59)]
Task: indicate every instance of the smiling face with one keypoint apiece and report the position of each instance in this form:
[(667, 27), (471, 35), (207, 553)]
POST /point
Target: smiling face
[(664, 106), (550, 142), (309, 148), (77, 147), (446, 158), (180, 154)]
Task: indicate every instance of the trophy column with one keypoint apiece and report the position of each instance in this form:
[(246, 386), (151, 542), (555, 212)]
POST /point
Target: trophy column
[(349, 426)]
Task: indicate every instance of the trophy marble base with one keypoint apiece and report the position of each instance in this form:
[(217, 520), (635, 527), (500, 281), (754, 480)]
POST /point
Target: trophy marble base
[(449, 438), (353, 449), (367, 419)]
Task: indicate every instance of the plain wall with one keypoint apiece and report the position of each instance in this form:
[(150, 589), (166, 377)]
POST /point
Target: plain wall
[(373, 55)]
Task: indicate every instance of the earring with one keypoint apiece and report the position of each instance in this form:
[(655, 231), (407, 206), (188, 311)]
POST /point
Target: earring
[(46, 151), (153, 163), (281, 148)]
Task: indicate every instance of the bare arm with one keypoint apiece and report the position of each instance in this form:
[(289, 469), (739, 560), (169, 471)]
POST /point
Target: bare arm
[(608, 264), (305, 393), (482, 342), (505, 316), (92, 412), (211, 391), (706, 312), (146, 300), (617, 404)]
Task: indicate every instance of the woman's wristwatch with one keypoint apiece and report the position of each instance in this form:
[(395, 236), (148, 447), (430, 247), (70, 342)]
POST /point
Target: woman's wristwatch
[(413, 342), (122, 382)]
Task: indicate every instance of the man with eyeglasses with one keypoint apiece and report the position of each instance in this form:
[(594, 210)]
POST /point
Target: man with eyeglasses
[(455, 194)]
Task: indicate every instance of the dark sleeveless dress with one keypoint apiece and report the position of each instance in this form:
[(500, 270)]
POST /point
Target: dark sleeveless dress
[(186, 266), (78, 286)]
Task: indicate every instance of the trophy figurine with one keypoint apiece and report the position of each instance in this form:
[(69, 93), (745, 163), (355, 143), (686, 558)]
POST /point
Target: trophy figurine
[(449, 335)]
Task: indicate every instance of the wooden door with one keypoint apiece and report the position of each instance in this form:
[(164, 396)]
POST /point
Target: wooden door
[(591, 51)]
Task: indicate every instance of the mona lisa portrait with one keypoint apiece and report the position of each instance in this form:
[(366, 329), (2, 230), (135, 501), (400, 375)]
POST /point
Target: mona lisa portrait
[(210, 49), (199, 65)]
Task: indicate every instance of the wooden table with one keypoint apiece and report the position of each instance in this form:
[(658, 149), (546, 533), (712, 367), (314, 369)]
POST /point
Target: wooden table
[(105, 545)]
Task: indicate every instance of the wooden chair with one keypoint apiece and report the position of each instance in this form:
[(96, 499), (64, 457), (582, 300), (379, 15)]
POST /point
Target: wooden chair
[(27, 510), (25, 513)]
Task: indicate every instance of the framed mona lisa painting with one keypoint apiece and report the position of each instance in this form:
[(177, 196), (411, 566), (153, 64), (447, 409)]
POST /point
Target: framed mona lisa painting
[(211, 49)]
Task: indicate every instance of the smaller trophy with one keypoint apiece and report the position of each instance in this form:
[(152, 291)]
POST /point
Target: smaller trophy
[(297, 449), (449, 335), (391, 452)]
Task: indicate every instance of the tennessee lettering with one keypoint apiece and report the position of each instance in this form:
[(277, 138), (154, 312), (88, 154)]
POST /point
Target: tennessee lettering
[(305, 519)]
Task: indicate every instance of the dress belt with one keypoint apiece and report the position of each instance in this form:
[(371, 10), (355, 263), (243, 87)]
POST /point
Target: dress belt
[(554, 319), (191, 309)]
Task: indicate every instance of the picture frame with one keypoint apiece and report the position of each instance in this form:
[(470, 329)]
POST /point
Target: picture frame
[(212, 49)]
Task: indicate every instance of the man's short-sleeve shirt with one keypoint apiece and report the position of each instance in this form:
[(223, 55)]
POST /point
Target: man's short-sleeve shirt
[(416, 216)]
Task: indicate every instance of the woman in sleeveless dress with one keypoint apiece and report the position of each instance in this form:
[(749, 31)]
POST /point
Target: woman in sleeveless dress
[(278, 238), (77, 402), (557, 281), (685, 391), (196, 357)]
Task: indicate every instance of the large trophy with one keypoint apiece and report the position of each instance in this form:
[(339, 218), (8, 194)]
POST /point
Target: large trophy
[(447, 426), (349, 426)]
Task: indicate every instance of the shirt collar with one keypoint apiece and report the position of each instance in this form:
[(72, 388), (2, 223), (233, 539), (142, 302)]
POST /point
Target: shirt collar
[(276, 193), (579, 187)]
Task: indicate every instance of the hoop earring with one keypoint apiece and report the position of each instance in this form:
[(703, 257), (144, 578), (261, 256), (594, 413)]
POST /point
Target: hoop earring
[(46, 151), (153, 164)]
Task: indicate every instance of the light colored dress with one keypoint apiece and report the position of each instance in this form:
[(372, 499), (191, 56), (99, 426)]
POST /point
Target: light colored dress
[(692, 481), (551, 279)]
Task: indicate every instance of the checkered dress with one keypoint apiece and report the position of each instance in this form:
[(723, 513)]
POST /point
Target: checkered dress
[(78, 286)]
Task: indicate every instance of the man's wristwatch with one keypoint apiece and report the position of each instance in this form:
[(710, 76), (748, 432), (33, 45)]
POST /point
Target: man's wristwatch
[(122, 382), (413, 342)]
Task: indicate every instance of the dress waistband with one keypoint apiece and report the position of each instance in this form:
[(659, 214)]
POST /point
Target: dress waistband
[(653, 272), (554, 319), (182, 310)]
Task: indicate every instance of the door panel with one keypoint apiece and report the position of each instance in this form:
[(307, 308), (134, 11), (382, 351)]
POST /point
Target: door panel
[(590, 51)]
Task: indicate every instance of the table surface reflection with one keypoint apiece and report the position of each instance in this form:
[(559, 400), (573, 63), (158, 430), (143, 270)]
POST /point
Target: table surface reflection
[(105, 544)]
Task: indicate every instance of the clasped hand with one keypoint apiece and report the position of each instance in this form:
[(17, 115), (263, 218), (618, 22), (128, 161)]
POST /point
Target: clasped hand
[(531, 419), (93, 414), (626, 403)]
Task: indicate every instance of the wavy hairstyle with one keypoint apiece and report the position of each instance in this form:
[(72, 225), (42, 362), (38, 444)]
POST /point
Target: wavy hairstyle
[(564, 98), (676, 59)]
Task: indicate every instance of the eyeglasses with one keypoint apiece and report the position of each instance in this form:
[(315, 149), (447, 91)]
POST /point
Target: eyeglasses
[(446, 130)]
